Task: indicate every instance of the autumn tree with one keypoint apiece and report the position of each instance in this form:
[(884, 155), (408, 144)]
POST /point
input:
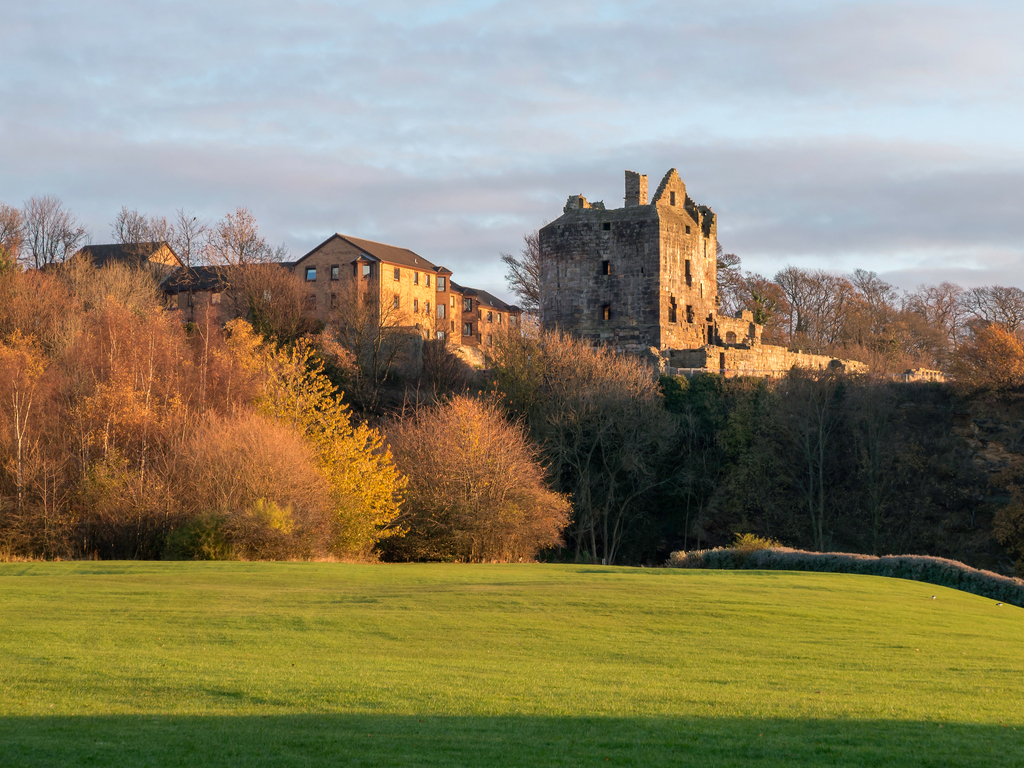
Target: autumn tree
[(602, 424), (992, 358), (12, 236), (365, 487), (485, 502)]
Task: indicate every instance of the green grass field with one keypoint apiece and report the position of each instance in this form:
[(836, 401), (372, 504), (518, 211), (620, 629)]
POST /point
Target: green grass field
[(250, 664)]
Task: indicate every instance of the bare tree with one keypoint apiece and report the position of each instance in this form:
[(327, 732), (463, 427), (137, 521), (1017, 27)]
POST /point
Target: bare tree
[(11, 235), (523, 275), (941, 306), (731, 291), (375, 332), (997, 304), (235, 241), (52, 233), (189, 234)]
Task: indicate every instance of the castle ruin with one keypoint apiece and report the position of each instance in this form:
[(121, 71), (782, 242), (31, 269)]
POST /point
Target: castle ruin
[(644, 277)]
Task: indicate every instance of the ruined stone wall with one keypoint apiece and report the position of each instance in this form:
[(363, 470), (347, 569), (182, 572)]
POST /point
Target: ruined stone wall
[(759, 360), (738, 330)]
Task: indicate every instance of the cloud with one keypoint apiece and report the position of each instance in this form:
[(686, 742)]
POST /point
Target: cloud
[(835, 134)]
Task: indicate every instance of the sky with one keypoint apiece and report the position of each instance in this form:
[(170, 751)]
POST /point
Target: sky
[(827, 134)]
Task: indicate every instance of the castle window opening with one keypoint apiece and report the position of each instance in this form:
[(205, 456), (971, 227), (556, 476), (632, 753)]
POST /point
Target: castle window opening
[(689, 277), (687, 229), (310, 274), (606, 312), (671, 198), (440, 283), (606, 226), (689, 313), (606, 267), (672, 309), (730, 337), (398, 273), (334, 300), (467, 305)]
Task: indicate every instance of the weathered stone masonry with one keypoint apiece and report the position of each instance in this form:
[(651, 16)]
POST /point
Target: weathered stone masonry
[(644, 277)]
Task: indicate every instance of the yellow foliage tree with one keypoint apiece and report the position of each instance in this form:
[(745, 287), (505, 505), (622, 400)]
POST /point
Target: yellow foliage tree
[(366, 487), (993, 359)]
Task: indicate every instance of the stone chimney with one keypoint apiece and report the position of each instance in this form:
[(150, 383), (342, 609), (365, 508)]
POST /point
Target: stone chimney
[(636, 188)]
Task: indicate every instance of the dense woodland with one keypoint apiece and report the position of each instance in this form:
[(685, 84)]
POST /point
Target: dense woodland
[(126, 434)]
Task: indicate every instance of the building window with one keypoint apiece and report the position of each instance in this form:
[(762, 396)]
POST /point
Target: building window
[(452, 299), (672, 309), (453, 326), (467, 305), (689, 313), (334, 301), (606, 226), (467, 329), (606, 312), (396, 302), (490, 339), (311, 301), (671, 198), (606, 267), (730, 337), (367, 270), (415, 278), (440, 310), (440, 283), (215, 298), (335, 272), (490, 316), (687, 229), (172, 303), (310, 274), (499, 318), (689, 277), (440, 335), (398, 273), (426, 307), (415, 305), (427, 280)]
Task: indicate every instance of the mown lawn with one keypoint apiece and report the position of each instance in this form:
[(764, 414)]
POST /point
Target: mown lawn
[(239, 664)]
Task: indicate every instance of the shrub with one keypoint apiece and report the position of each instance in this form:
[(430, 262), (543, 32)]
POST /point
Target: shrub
[(476, 489)]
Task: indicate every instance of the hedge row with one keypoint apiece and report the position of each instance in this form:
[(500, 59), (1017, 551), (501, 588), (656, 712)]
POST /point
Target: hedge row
[(932, 570)]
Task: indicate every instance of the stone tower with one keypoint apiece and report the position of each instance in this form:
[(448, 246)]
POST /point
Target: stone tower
[(635, 277)]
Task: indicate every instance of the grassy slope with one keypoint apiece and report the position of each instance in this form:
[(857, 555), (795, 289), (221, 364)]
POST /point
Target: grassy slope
[(306, 664)]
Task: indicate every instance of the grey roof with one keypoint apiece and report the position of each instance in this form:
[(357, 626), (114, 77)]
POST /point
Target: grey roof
[(486, 298), (123, 253)]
